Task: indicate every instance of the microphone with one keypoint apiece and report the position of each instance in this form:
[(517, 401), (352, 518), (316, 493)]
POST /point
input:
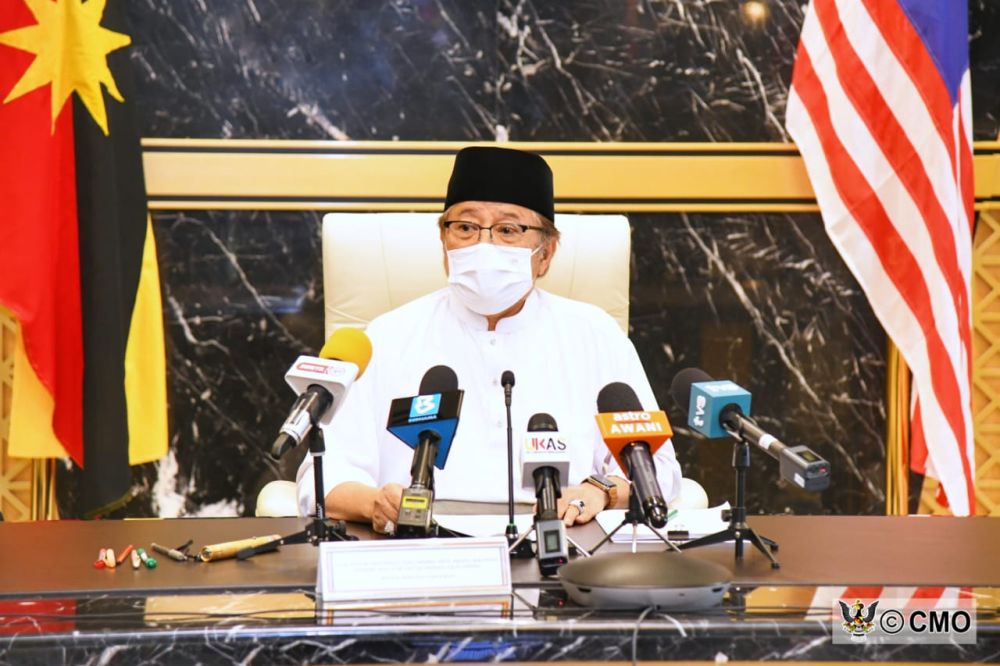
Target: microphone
[(523, 551), (545, 465), (321, 384), (426, 423), (507, 381), (633, 436), (721, 408)]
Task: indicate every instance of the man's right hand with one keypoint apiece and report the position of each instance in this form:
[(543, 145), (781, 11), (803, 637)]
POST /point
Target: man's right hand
[(385, 509)]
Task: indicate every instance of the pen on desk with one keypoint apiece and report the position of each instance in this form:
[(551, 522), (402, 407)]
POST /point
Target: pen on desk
[(146, 559), (673, 514), (172, 553), (122, 556)]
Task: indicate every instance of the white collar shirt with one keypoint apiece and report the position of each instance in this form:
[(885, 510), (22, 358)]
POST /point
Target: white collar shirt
[(562, 352)]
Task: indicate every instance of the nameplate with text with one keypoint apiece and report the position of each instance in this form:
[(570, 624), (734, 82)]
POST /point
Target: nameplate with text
[(412, 569)]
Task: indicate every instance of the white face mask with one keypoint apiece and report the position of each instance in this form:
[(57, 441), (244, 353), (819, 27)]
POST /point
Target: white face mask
[(490, 278)]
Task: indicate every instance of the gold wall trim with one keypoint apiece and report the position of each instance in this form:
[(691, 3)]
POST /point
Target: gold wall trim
[(199, 174)]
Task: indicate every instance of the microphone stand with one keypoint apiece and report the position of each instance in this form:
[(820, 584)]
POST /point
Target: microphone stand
[(634, 516), (518, 548), (320, 528), (520, 544), (738, 529), (440, 532)]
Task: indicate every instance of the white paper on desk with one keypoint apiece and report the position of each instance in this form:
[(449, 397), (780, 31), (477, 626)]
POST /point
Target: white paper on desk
[(483, 525), (696, 522)]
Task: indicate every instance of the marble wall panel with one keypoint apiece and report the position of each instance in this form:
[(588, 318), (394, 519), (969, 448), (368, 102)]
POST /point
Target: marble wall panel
[(766, 301), (651, 70), (312, 69), (242, 294), (242, 298), (984, 65), (646, 70), (661, 70)]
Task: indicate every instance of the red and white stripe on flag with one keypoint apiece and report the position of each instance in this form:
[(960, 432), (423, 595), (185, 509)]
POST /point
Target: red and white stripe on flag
[(825, 597), (880, 110)]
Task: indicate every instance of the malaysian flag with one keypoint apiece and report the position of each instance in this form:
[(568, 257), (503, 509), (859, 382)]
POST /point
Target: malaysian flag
[(880, 109)]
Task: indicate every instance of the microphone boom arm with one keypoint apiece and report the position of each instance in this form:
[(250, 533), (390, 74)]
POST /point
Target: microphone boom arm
[(798, 465)]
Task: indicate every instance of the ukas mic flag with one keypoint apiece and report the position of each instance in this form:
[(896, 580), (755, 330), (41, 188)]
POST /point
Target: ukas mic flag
[(880, 109)]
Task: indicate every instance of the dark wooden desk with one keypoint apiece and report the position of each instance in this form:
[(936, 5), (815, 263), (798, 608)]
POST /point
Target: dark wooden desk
[(58, 608), (863, 550), (56, 558)]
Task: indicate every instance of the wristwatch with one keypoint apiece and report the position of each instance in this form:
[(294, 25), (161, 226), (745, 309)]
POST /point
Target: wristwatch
[(605, 484)]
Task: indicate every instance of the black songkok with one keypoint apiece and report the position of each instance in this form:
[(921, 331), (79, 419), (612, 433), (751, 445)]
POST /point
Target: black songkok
[(487, 173)]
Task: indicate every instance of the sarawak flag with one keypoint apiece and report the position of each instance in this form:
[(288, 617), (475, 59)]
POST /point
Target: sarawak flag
[(77, 257), (880, 109)]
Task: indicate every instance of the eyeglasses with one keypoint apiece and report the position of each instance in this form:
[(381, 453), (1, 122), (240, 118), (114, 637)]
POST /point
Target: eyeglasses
[(504, 233)]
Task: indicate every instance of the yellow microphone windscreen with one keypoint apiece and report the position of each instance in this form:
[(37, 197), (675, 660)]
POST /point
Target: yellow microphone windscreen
[(350, 345)]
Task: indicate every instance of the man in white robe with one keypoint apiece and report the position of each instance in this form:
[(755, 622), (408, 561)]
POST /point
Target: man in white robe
[(498, 238)]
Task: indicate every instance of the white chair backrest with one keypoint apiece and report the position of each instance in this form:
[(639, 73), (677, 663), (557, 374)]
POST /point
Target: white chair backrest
[(374, 262)]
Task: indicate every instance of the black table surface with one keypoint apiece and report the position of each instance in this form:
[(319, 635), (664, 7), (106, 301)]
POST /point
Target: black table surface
[(55, 559)]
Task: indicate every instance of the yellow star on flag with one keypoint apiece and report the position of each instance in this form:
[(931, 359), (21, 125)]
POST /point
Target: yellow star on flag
[(71, 52)]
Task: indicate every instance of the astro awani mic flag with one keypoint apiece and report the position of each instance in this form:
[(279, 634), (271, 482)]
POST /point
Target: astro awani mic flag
[(77, 258), (880, 109)]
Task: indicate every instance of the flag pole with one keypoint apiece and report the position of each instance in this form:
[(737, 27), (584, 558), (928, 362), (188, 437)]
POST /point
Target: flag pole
[(897, 437), (43, 489)]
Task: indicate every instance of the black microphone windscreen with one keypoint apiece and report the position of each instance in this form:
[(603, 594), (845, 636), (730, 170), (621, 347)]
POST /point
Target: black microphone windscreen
[(680, 387), (507, 378), (542, 422), (618, 397), (439, 379)]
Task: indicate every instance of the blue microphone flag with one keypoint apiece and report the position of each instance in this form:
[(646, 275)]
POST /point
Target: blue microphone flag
[(439, 412), (708, 399)]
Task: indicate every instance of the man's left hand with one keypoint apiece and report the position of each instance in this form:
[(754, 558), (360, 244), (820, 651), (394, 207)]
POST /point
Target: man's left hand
[(579, 504)]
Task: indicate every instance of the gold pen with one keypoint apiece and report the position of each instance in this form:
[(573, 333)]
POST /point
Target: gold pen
[(221, 551)]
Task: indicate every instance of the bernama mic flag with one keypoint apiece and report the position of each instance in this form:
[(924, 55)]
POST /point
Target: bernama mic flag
[(880, 109), (78, 264)]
